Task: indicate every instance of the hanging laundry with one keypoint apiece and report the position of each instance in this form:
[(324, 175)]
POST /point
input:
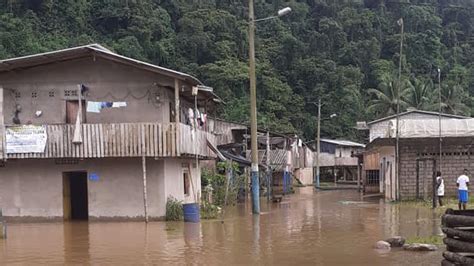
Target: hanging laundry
[(190, 117), (190, 113), (198, 118), (94, 107), (119, 104), (106, 104)]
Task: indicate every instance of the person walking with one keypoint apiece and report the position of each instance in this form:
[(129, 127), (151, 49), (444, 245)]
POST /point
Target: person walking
[(463, 186), (440, 188)]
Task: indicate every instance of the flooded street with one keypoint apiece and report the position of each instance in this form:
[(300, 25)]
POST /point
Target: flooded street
[(324, 228)]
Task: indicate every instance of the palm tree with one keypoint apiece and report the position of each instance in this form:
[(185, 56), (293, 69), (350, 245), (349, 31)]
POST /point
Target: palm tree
[(383, 100), (419, 94), (453, 100)]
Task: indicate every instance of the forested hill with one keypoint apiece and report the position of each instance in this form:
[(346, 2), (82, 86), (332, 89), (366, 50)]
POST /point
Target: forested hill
[(344, 51)]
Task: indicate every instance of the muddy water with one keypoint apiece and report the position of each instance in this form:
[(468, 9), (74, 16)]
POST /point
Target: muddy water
[(325, 228)]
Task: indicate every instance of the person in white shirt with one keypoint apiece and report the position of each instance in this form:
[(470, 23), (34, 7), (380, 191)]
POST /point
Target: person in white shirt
[(440, 188), (463, 187)]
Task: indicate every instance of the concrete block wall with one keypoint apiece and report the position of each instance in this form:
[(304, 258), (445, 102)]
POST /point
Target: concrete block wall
[(34, 188), (455, 158)]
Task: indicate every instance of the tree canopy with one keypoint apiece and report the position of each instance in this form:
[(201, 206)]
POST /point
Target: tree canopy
[(345, 52)]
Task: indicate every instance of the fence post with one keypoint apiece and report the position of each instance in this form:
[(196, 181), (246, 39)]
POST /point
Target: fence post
[(3, 233)]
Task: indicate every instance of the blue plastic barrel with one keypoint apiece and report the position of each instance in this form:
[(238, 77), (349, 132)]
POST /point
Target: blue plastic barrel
[(191, 212)]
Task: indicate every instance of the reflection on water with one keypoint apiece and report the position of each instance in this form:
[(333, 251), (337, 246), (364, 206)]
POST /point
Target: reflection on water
[(324, 228)]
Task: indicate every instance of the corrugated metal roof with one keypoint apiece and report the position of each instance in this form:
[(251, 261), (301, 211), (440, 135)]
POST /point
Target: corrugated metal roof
[(97, 50), (420, 112), (343, 143), (74, 52)]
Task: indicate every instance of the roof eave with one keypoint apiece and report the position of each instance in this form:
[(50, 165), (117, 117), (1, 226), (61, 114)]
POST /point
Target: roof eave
[(416, 111)]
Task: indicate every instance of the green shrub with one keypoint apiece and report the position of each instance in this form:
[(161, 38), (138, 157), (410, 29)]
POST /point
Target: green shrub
[(174, 209), (219, 182)]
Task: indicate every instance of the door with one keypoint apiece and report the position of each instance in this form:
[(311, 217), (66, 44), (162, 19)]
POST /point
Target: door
[(75, 196), (382, 176), (66, 197), (424, 178), (72, 108)]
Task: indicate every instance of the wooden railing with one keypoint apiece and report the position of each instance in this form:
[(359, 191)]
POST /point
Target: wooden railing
[(121, 140), (194, 142)]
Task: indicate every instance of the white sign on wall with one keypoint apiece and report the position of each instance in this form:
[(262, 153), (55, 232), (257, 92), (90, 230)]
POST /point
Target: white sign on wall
[(25, 139)]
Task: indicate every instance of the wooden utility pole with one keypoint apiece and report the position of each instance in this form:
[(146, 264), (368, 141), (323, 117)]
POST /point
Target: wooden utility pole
[(318, 144), (145, 199), (253, 113), (269, 183)]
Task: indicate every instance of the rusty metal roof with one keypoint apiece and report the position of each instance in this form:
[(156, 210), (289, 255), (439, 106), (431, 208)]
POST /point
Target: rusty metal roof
[(35, 60), (80, 51)]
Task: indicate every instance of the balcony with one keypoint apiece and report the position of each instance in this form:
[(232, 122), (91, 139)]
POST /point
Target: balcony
[(156, 140)]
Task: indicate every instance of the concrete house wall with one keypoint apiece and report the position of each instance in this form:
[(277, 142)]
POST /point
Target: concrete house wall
[(33, 89), (34, 188)]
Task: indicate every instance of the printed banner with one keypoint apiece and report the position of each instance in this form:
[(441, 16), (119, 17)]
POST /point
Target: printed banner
[(25, 139)]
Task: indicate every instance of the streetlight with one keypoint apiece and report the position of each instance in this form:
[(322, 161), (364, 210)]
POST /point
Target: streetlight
[(253, 104), (318, 142), (397, 138), (440, 139)]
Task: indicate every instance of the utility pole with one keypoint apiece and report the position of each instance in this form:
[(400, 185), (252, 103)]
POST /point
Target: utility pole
[(318, 144), (269, 183), (397, 148), (440, 138), (253, 104), (253, 114)]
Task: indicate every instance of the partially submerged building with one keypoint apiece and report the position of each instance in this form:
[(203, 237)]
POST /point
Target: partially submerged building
[(87, 133), (337, 160), (278, 152), (420, 155)]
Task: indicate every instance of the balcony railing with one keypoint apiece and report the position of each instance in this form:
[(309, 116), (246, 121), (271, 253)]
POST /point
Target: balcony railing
[(123, 140)]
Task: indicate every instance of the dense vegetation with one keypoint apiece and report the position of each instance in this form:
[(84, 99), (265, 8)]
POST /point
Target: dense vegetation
[(344, 51)]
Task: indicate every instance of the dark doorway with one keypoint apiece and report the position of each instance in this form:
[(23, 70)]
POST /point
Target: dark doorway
[(75, 199), (72, 108)]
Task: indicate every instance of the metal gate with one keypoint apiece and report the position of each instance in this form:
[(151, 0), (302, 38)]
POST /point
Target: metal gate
[(425, 178)]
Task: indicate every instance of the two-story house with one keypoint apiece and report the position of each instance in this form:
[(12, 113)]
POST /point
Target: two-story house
[(86, 133)]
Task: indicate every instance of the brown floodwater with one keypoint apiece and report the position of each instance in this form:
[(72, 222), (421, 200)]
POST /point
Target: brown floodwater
[(310, 228)]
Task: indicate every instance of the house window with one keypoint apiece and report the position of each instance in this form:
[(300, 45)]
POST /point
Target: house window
[(186, 182), (373, 177), (34, 94), (51, 93), (70, 93)]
